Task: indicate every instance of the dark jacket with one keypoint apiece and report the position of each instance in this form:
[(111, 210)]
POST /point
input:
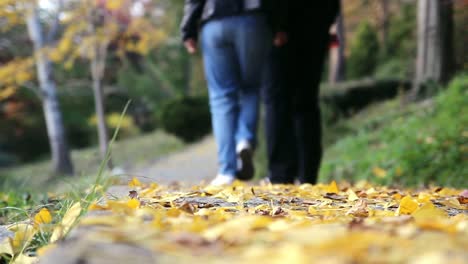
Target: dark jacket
[(197, 12)]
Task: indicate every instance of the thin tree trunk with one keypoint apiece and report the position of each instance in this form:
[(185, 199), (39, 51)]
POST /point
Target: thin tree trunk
[(61, 160), (435, 45), (97, 72), (385, 24)]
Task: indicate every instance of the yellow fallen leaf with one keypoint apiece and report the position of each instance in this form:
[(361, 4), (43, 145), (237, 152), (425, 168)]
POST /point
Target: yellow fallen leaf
[(149, 192), (359, 209), (134, 183), (5, 246), (439, 224), (352, 196), (448, 192), (371, 191), (454, 203), (428, 211), (24, 233), (104, 220), (407, 206), (68, 221), (379, 172), (333, 188), (133, 203), (23, 259), (397, 196), (43, 250), (240, 226), (97, 207), (126, 207), (424, 197), (43, 217), (311, 210)]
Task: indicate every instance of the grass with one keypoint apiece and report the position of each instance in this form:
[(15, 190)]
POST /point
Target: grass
[(416, 144), (394, 143), (128, 152), (24, 194)]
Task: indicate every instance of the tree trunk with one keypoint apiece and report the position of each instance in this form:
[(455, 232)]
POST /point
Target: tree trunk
[(61, 160), (97, 72), (385, 24), (435, 42), (337, 56)]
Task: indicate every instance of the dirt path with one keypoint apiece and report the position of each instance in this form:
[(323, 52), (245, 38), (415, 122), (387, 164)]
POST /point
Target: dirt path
[(192, 165)]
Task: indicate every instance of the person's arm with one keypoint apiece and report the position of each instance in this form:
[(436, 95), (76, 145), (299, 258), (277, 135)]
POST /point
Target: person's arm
[(193, 10)]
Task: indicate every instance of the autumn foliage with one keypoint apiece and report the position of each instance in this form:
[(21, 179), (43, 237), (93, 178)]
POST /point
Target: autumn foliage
[(332, 223)]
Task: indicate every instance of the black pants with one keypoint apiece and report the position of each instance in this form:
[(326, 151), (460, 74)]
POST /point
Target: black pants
[(291, 98)]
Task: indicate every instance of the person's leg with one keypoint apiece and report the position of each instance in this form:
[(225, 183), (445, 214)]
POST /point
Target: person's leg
[(252, 41), (222, 74), (309, 56), (279, 132)]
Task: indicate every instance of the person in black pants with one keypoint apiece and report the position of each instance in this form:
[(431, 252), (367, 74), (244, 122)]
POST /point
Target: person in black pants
[(291, 91)]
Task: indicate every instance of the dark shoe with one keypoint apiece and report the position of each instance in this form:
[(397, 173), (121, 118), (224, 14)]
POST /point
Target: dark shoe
[(246, 169)]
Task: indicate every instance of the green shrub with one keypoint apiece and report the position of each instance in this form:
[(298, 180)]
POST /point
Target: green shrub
[(402, 32), (187, 118), (422, 144), (364, 52)]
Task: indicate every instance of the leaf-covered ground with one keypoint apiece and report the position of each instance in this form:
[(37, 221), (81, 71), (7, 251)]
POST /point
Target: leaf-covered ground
[(335, 223)]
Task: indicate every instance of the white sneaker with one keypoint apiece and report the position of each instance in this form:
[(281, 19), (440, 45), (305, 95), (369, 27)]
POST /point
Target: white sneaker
[(242, 145), (221, 180)]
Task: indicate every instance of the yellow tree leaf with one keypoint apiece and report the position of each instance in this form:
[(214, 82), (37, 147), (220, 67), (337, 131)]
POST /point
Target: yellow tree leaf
[(114, 4), (407, 206), (7, 92), (68, 220), (43, 217)]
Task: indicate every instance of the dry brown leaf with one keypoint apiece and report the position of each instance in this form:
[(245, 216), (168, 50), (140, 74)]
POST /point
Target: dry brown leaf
[(359, 209)]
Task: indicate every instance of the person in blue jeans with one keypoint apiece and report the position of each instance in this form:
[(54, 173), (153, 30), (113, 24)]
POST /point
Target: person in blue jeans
[(235, 37)]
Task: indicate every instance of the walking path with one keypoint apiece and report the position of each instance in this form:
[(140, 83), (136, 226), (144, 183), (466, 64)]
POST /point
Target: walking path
[(193, 165)]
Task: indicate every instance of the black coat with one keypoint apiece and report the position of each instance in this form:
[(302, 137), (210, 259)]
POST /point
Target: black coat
[(196, 12)]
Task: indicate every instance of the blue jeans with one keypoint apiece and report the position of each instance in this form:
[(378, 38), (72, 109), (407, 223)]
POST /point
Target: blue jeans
[(234, 52)]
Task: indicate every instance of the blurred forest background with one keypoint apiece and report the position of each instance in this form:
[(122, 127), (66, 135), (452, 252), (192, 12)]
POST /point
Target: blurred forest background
[(69, 67)]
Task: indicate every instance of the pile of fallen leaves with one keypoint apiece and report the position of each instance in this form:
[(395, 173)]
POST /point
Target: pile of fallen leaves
[(278, 223)]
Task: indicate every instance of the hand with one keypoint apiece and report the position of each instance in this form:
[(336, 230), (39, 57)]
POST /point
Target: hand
[(191, 45), (281, 38)]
